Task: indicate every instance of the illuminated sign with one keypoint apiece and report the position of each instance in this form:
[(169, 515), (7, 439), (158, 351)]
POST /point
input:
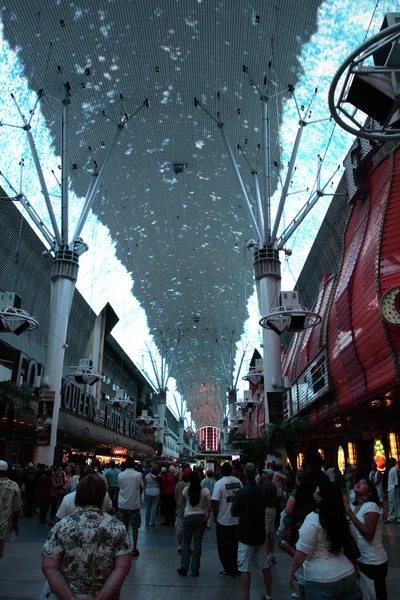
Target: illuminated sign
[(312, 384), (77, 401), (117, 421), (379, 455)]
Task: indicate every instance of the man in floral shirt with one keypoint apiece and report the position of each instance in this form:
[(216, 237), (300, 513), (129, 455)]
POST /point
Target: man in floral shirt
[(10, 503), (87, 553)]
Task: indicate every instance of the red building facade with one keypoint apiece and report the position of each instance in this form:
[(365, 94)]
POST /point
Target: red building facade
[(344, 373)]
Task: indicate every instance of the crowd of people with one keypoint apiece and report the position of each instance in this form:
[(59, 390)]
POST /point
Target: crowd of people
[(336, 549)]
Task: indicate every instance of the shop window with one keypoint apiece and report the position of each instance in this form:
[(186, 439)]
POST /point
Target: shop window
[(341, 460), (318, 377), (379, 455), (300, 458), (394, 445), (352, 452)]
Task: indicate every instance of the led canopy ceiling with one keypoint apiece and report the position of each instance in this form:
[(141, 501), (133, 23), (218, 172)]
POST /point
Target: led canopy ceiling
[(169, 195)]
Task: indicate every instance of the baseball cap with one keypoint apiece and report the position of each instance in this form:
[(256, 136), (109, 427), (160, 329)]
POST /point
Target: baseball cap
[(268, 472), (3, 465)]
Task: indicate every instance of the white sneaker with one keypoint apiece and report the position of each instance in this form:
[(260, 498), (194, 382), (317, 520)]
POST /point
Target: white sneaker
[(295, 595)]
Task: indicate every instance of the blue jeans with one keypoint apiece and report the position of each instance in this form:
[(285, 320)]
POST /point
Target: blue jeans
[(344, 589), (193, 528), (152, 505)]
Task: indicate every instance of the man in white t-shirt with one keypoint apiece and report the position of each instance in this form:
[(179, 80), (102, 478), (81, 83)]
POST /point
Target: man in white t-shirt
[(130, 484), (227, 526), (331, 472), (68, 507), (393, 493)]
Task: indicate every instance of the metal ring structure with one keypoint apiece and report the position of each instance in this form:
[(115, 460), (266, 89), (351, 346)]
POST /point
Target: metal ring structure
[(245, 403), (282, 314), (382, 134), (89, 376), (12, 318)]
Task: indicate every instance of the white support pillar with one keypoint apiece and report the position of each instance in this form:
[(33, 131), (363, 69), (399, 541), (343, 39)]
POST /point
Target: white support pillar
[(266, 172), (232, 397), (63, 279), (181, 429), (268, 274), (161, 408), (225, 432)]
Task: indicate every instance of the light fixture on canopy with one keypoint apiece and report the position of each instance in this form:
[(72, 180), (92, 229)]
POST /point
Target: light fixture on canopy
[(248, 400), (291, 316), (12, 318), (145, 418), (84, 373), (121, 400)]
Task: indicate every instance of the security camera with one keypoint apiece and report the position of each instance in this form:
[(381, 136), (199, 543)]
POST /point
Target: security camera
[(178, 168), (252, 245), (80, 247)]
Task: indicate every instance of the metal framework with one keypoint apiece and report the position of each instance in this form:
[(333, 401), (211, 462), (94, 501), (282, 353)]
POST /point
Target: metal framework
[(16, 320), (359, 63), (279, 318), (232, 382), (162, 372), (265, 247), (66, 250)]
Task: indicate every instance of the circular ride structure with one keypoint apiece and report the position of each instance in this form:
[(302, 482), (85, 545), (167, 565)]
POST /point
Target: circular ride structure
[(369, 81), (16, 320), (288, 318)]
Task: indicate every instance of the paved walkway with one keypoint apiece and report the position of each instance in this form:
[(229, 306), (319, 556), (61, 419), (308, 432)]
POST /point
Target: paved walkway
[(153, 574)]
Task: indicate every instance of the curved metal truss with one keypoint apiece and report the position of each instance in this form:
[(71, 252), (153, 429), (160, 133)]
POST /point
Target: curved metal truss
[(16, 320), (359, 72), (289, 318), (84, 373)]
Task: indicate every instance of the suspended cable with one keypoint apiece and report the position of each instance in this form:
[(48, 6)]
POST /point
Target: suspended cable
[(372, 18)]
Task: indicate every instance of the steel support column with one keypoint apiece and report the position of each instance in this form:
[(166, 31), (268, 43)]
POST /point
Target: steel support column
[(267, 269), (63, 279), (181, 430), (232, 397), (161, 408), (225, 435)]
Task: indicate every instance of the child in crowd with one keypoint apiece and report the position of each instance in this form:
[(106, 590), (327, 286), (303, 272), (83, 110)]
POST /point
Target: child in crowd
[(298, 517)]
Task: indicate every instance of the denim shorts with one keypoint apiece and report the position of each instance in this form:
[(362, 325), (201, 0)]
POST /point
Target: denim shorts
[(179, 523), (344, 588)]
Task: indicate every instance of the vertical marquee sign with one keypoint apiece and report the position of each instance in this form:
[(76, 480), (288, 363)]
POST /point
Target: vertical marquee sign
[(45, 416)]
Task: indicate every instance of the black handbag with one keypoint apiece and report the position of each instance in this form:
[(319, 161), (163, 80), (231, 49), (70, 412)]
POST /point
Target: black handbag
[(350, 547)]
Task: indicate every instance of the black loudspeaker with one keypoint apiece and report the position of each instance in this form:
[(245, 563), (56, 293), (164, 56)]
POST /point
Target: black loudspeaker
[(23, 327), (17, 301), (373, 94), (296, 323)]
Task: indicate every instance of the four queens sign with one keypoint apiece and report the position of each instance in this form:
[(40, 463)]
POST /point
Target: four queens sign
[(75, 400)]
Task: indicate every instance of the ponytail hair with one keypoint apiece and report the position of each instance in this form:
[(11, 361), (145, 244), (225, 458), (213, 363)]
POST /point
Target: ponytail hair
[(194, 489), (332, 515)]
